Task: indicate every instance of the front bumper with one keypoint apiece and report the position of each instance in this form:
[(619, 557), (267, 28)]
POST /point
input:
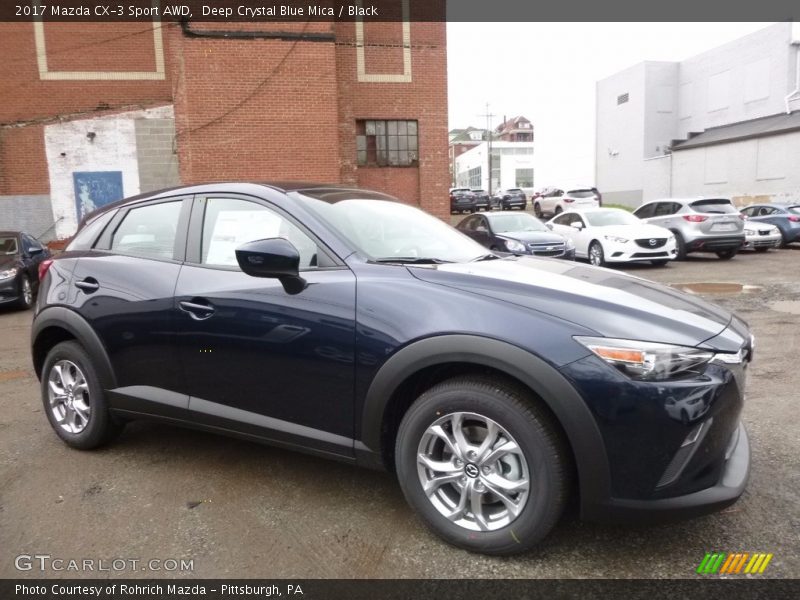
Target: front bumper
[(9, 290), (632, 252), (762, 241), (728, 489)]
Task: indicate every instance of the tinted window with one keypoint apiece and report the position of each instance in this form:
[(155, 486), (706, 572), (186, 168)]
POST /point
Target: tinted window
[(766, 210), (8, 245), (663, 209), (581, 193), (148, 231), (716, 205), (230, 222), (563, 219), (645, 211), (86, 237), (749, 211)]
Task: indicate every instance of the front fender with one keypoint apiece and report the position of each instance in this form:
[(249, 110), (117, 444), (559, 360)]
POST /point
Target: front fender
[(545, 380)]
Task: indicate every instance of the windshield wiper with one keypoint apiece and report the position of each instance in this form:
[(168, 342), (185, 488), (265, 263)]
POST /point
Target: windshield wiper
[(412, 260), (485, 257)]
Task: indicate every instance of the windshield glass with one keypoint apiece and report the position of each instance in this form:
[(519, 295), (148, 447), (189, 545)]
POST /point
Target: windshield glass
[(604, 218), (384, 230), (8, 245), (720, 205), (518, 222)]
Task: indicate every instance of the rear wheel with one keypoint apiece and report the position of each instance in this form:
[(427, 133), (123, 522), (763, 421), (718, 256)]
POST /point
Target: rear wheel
[(727, 254), (596, 255), (537, 210), (482, 465), (74, 400)]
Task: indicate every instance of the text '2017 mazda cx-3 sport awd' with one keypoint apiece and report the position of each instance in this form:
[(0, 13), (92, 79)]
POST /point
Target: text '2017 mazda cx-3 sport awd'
[(346, 324)]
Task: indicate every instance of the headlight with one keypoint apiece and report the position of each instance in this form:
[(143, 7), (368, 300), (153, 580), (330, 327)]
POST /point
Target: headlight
[(749, 232), (614, 238), (648, 361), (8, 273), (515, 246)]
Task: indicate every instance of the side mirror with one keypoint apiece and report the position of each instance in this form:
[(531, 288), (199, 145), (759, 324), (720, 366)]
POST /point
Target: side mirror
[(576, 225), (549, 226), (276, 258)]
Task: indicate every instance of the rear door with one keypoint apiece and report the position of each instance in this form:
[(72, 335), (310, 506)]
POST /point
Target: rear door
[(124, 286), (255, 358)]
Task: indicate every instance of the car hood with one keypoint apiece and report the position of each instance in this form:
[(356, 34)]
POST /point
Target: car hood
[(608, 302), (7, 261), (538, 237), (634, 232)]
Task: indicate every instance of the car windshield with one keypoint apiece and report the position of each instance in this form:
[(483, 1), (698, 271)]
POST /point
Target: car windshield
[(604, 218), (8, 245), (518, 222), (461, 191), (384, 230), (716, 205)]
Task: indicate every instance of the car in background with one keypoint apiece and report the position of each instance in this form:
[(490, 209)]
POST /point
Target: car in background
[(347, 324), (786, 217), (574, 199), (518, 233), (20, 257), (761, 236), (483, 201), (613, 235), (511, 198), (699, 224), (462, 200)]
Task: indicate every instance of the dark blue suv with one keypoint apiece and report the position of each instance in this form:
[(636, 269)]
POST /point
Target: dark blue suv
[(343, 323)]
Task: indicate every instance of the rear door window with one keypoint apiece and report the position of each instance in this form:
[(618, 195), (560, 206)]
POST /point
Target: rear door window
[(148, 231)]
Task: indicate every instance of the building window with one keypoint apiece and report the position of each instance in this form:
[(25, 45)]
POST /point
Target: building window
[(475, 178), (524, 178), (387, 143), (622, 98)]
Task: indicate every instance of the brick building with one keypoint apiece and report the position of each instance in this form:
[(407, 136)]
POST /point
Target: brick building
[(103, 107)]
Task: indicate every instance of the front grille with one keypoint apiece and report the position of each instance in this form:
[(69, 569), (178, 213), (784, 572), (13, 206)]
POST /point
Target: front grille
[(556, 249), (656, 242), (763, 232), (649, 254)]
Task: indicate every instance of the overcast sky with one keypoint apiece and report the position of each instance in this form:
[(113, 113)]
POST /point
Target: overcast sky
[(547, 72)]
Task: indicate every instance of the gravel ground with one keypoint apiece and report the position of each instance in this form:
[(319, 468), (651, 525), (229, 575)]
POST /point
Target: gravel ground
[(242, 510)]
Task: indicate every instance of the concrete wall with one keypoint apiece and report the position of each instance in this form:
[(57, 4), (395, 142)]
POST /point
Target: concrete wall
[(113, 148), (620, 134), (661, 107), (657, 178), (156, 153), (744, 79), (31, 214), (763, 169)]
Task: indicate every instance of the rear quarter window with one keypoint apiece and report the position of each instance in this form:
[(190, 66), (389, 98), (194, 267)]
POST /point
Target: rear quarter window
[(88, 235)]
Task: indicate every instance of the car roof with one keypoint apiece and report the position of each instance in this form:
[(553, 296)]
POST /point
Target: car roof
[(10, 232), (689, 200)]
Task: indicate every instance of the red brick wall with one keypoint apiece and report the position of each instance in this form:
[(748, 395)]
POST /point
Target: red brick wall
[(256, 109), (23, 166), (423, 99)]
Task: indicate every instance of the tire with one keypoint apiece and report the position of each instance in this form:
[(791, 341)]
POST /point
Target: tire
[(25, 300), (596, 254), (727, 254), (659, 263), (537, 210), (478, 400), (558, 211), (784, 241), (96, 427), (761, 249), (680, 246)]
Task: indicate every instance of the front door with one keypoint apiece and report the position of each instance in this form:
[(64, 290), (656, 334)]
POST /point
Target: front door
[(255, 358)]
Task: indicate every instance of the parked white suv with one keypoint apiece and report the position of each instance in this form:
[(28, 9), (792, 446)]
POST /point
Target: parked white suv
[(555, 201)]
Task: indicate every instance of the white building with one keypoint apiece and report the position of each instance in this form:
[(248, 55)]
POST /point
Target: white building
[(715, 124), (512, 166)]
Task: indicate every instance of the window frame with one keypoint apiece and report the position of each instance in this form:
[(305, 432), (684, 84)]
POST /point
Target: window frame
[(361, 125), (106, 238), (194, 241)]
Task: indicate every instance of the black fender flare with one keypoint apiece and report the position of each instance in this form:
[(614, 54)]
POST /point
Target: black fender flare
[(545, 380), (79, 328)]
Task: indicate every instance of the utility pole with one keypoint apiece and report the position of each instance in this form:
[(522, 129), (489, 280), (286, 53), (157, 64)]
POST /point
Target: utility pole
[(489, 116)]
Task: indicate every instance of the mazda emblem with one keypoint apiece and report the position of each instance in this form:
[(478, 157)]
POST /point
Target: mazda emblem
[(471, 470), (653, 242)]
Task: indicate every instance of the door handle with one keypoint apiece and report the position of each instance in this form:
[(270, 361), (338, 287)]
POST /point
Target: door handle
[(196, 309), (88, 285)]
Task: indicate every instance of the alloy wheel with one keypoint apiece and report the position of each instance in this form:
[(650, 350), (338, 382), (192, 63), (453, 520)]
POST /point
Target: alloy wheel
[(27, 292), (473, 471), (68, 393), (595, 255)]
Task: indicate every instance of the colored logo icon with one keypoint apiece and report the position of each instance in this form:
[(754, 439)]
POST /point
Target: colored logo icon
[(736, 563)]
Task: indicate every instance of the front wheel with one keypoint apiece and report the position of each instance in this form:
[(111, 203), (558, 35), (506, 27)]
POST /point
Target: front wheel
[(558, 210), (596, 255), (727, 254), (680, 247), (481, 463), (25, 300), (74, 400)]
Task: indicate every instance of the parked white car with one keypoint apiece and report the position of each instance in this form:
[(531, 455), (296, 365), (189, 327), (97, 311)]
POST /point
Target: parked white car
[(760, 236), (554, 201), (606, 235)]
